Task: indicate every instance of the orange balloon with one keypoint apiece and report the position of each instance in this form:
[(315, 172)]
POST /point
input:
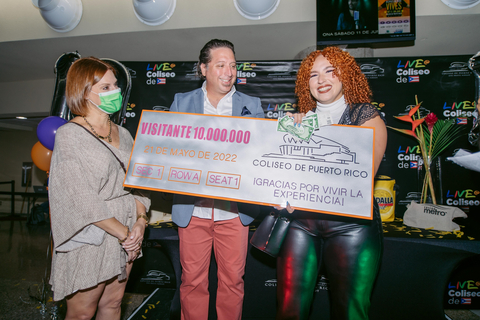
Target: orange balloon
[(41, 156)]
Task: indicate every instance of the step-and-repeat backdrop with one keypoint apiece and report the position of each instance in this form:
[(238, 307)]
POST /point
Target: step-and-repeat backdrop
[(443, 84)]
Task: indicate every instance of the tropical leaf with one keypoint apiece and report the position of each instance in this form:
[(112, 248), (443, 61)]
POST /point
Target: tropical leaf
[(444, 133)]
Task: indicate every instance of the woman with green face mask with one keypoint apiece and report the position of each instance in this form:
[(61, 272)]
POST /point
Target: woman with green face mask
[(97, 225)]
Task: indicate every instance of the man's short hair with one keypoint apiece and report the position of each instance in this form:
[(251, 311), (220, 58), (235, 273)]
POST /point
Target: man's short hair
[(205, 54)]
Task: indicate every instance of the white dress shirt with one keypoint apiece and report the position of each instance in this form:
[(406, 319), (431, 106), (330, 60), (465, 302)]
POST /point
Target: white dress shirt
[(205, 207)]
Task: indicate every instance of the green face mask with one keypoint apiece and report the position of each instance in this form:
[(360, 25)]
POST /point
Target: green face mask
[(111, 101)]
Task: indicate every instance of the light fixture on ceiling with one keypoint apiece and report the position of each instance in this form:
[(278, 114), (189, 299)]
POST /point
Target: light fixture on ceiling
[(256, 9), (154, 12), (461, 4), (60, 15)]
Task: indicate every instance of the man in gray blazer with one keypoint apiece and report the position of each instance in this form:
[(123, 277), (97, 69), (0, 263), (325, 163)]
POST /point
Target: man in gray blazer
[(205, 223)]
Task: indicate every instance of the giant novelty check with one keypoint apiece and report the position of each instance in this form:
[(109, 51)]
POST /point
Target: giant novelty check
[(248, 160)]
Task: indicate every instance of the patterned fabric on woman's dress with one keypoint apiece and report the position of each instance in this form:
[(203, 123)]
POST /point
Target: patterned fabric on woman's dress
[(86, 186)]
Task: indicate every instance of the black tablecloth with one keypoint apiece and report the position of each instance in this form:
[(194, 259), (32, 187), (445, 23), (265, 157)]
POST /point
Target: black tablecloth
[(411, 284)]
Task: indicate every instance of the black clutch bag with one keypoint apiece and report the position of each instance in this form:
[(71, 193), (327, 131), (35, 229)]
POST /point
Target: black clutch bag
[(270, 234)]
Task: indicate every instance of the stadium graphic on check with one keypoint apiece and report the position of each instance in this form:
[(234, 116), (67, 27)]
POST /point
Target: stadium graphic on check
[(317, 148)]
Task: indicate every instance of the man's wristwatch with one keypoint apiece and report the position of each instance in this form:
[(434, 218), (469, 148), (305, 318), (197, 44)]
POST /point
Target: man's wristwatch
[(143, 216)]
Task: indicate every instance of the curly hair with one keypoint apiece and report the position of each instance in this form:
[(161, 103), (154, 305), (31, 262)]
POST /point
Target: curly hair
[(354, 82)]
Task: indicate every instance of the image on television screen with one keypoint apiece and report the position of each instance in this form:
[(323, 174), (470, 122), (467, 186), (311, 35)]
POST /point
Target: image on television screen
[(365, 21)]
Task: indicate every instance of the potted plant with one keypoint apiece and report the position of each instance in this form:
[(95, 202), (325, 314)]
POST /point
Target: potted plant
[(433, 137)]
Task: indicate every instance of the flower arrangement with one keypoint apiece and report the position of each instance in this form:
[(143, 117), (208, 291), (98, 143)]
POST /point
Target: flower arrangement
[(433, 136)]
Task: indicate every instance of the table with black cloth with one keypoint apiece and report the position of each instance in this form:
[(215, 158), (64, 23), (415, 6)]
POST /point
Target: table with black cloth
[(411, 284)]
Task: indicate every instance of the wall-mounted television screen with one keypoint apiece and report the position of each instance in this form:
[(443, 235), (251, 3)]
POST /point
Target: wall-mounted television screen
[(364, 21)]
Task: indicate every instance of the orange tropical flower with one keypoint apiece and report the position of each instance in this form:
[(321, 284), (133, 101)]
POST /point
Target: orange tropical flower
[(432, 140)]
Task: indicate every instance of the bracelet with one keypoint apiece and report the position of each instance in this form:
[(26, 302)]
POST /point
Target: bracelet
[(126, 237), (143, 216)]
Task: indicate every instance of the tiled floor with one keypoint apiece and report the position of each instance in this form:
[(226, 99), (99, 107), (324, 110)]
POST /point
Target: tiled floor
[(24, 259)]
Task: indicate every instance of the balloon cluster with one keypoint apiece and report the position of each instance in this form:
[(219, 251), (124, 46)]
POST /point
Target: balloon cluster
[(59, 112), (42, 150)]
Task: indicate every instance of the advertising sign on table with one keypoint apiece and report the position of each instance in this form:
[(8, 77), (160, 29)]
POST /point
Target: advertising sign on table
[(228, 158)]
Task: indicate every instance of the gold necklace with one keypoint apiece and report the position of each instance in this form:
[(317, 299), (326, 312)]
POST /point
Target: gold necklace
[(99, 136)]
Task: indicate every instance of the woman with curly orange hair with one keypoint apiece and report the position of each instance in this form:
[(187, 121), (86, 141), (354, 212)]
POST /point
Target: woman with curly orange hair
[(349, 250)]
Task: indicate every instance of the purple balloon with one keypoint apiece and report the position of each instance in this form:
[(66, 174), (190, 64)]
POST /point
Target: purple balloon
[(46, 130)]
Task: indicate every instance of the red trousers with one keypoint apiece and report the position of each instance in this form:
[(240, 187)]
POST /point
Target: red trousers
[(229, 239)]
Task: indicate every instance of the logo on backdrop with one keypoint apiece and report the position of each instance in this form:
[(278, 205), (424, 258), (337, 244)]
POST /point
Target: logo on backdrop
[(372, 71), (287, 75), (156, 277), (462, 292), (379, 106), (133, 73), (130, 110), (278, 110), (160, 108), (322, 284), (159, 72), (410, 71), (409, 157), (284, 72), (413, 196), (457, 69), (423, 111), (271, 283), (459, 109), (192, 74), (246, 70), (466, 197)]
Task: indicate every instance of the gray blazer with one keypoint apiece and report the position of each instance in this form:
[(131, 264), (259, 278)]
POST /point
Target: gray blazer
[(192, 102)]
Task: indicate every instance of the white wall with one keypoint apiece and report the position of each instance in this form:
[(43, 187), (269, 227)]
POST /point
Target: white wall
[(26, 97), (20, 20), (113, 16)]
